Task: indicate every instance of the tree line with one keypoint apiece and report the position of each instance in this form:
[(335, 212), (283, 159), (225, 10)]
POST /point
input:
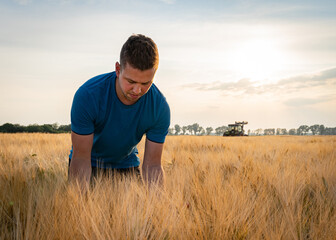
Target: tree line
[(35, 128), (196, 129), (315, 129), (193, 129)]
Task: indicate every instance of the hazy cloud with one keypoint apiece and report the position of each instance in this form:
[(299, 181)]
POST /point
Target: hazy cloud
[(301, 102), (22, 2), (316, 79), (326, 78), (168, 1)]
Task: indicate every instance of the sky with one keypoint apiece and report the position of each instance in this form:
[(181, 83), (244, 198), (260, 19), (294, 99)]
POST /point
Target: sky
[(271, 63)]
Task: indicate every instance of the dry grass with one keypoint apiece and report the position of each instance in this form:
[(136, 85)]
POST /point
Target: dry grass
[(216, 188)]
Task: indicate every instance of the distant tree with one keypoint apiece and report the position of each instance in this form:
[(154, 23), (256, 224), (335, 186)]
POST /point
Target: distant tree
[(64, 128), (333, 131), (250, 132), (327, 131), (303, 130), (208, 130), (269, 131), (201, 131), (220, 130), (55, 126), (315, 129), (195, 128), (184, 129), (281, 131), (7, 128), (259, 131), (292, 131), (330, 131), (48, 128), (170, 131), (34, 128), (19, 128), (190, 129), (177, 129), (322, 129)]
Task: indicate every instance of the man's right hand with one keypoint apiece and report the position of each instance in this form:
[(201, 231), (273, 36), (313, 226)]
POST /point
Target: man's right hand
[(80, 165)]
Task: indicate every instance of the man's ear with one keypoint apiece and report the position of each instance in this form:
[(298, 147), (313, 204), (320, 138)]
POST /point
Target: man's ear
[(117, 68)]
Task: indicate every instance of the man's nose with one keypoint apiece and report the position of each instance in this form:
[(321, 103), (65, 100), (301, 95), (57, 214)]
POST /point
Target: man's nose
[(137, 89)]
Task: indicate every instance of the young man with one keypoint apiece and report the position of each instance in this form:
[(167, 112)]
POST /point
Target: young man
[(111, 112)]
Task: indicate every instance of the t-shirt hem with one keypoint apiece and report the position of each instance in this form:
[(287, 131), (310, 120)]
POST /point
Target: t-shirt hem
[(81, 133), (155, 141), (105, 165)]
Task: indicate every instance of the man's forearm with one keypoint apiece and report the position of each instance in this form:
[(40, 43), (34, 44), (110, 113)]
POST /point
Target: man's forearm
[(80, 170), (153, 174)]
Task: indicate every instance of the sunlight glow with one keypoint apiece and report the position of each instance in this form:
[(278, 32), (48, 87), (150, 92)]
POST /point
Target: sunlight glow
[(259, 60)]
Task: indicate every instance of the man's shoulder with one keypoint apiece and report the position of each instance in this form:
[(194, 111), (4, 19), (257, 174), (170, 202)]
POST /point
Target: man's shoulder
[(158, 116), (156, 94), (99, 81), (158, 102)]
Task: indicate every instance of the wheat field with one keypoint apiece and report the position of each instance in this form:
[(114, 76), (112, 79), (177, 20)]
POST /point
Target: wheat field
[(272, 187)]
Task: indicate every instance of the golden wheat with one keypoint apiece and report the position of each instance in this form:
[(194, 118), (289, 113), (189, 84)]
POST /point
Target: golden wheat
[(216, 188)]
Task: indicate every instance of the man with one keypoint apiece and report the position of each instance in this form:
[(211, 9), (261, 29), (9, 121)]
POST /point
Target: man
[(111, 112)]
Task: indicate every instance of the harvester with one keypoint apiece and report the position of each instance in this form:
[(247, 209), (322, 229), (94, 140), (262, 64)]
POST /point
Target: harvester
[(236, 129)]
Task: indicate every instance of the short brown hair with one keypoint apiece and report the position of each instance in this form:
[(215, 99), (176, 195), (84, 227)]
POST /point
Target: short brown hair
[(140, 52)]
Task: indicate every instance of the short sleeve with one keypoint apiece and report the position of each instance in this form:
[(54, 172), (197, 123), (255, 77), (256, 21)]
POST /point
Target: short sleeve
[(83, 112), (159, 131)]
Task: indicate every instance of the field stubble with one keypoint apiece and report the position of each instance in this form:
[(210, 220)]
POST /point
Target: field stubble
[(216, 188)]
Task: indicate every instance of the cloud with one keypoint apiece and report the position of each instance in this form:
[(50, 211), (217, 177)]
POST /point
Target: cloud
[(23, 2), (320, 78), (168, 1), (302, 102), (325, 78)]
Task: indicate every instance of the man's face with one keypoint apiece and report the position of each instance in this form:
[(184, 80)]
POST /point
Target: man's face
[(132, 83)]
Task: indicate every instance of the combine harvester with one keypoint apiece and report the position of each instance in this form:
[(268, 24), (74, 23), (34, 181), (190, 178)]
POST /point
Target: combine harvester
[(236, 129)]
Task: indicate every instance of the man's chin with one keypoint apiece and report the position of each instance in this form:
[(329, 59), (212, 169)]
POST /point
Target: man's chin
[(133, 97)]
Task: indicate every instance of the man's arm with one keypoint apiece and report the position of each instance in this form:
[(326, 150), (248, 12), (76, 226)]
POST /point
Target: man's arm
[(152, 170), (80, 165)]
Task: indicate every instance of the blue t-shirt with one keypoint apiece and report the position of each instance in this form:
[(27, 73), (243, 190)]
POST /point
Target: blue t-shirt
[(117, 127)]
